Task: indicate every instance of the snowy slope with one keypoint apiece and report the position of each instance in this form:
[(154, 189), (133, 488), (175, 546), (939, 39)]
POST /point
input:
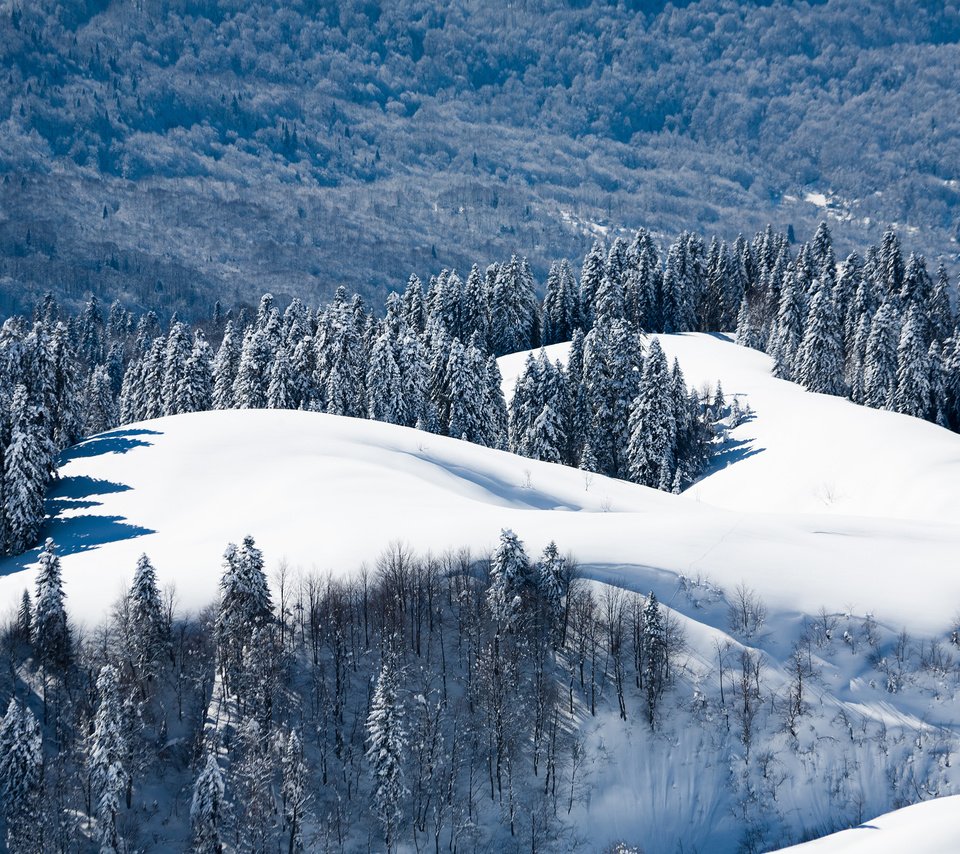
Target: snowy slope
[(809, 453), (328, 493), (931, 827)]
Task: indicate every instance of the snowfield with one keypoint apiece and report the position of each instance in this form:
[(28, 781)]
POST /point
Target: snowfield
[(818, 502), (815, 503)]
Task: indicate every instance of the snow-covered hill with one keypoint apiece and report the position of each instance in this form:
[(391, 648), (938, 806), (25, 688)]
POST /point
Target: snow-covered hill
[(817, 502), (808, 453)]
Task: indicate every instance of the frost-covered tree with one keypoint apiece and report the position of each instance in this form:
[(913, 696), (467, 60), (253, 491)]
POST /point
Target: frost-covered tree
[(280, 389), (880, 365), (590, 277), (208, 809), (51, 631), (495, 407), (384, 386), (819, 361), (149, 631), (912, 395), (294, 791), (386, 749), (511, 581), (26, 471), (108, 749), (652, 424), (788, 330), (253, 371), (514, 320), (475, 313), (195, 390), (225, 368), (102, 412), (561, 304), (21, 780), (175, 360), (552, 587)]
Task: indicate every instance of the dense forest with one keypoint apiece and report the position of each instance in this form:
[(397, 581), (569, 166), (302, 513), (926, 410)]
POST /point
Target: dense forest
[(159, 152), (878, 330)]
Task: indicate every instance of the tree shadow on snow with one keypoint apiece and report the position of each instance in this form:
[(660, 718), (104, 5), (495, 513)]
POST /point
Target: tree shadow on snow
[(117, 442), (82, 532)]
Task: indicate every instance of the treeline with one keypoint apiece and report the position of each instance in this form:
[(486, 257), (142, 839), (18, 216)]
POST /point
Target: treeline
[(432, 702), (429, 362)]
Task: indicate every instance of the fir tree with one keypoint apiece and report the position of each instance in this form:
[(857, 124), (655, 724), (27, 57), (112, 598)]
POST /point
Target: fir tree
[(51, 632), (294, 791), (280, 391), (387, 746), (21, 780), (23, 628), (551, 585), (819, 362), (208, 809), (788, 331), (149, 630), (26, 472), (590, 277), (101, 410), (225, 368), (108, 748), (510, 581), (174, 364), (912, 395), (384, 386), (652, 426), (195, 390), (880, 367)]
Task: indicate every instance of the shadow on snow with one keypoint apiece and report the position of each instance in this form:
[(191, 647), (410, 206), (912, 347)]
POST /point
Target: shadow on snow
[(115, 442)]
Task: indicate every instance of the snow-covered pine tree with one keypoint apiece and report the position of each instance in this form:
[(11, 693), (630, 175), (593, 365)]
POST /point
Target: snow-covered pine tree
[(26, 472), (819, 361), (132, 399), (414, 311), (912, 395), (386, 748), (495, 407), (788, 329), (655, 661), (108, 749), (51, 631), (511, 581), (890, 263), (174, 364), (475, 314), (66, 417), (153, 379), (195, 391), (561, 303), (467, 386), (280, 393), (225, 368), (545, 440), (208, 809), (101, 410), (608, 301), (942, 321), (880, 366), (651, 423), (21, 780), (250, 385), (294, 791), (149, 631), (551, 586), (23, 627), (414, 378), (591, 275), (857, 360), (513, 309), (384, 385)]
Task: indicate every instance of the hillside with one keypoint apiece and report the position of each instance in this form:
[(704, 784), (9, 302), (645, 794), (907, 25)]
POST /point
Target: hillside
[(173, 153)]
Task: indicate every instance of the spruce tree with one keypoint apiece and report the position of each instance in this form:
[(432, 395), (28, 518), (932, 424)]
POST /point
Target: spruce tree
[(384, 386), (21, 780), (386, 748), (912, 395), (590, 277), (652, 425), (195, 390), (511, 581), (51, 632), (174, 364), (102, 412), (495, 407), (26, 472), (788, 330), (880, 366), (819, 362), (294, 791), (108, 749), (149, 630), (208, 809), (225, 368)]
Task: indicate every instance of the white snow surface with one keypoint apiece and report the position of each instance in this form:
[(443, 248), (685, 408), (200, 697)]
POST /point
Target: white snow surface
[(824, 504), (930, 827), (808, 453)]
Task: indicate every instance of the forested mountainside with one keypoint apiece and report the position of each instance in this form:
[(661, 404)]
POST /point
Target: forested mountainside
[(164, 152)]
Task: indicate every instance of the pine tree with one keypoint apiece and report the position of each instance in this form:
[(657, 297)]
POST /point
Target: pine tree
[(108, 748), (546, 440), (551, 585), (819, 362), (651, 424), (21, 780), (880, 366), (250, 385), (66, 417), (561, 304), (153, 379), (384, 386), (788, 330), (51, 632), (467, 386), (655, 664), (195, 391), (294, 791), (280, 391), (23, 627), (26, 472), (495, 407), (511, 581), (225, 368), (414, 311), (912, 396), (174, 365), (387, 746), (857, 361), (149, 630), (414, 379), (590, 277), (941, 313), (101, 410), (474, 314), (208, 809)]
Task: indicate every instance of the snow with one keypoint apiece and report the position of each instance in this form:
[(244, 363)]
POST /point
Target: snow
[(808, 453), (818, 199), (931, 827)]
